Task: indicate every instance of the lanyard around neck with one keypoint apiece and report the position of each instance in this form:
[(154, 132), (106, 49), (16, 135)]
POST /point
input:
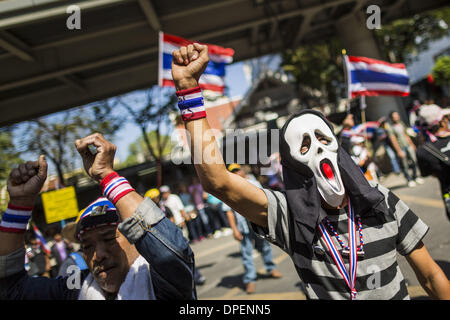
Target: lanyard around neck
[(349, 276)]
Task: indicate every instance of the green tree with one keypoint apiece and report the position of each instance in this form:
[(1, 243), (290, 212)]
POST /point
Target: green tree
[(316, 66), (9, 158), (403, 39), (54, 136), (138, 148), (149, 110), (441, 71)]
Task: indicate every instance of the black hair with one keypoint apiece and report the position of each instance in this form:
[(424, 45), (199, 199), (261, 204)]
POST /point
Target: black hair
[(29, 235), (391, 113)]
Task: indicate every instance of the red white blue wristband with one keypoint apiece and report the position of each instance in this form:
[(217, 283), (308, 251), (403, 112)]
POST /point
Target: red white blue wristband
[(115, 187), (190, 103), (15, 219)]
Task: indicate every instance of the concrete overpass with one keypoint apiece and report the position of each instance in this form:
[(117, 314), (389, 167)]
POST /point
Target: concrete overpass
[(45, 67)]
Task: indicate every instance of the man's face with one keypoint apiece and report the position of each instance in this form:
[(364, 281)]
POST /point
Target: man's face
[(57, 237), (395, 117), (108, 255), (34, 244), (165, 195), (348, 121)]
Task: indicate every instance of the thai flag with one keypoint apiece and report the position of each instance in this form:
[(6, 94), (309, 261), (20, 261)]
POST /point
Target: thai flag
[(213, 77), (41, 240), (369, 127), (370, 77)]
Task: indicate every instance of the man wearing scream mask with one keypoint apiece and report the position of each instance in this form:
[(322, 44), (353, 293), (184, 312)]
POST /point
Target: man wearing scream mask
[(342, 233), (133, 252)]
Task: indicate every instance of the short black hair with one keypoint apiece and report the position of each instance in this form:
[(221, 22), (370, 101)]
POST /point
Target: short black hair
[(391, 113)]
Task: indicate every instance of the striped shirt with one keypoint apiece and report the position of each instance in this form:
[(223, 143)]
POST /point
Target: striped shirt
[(378, 275)]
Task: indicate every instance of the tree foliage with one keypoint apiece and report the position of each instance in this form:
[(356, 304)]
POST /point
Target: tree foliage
[(138, 149), (403, 39), (9, 156), (441, 71), (149, 110), (319, 67), (316, 66), (54, 136)]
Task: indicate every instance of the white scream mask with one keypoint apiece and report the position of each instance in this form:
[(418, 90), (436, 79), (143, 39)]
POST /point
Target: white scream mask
[(320, 158)]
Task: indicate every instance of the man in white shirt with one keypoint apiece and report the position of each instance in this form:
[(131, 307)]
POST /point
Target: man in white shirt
[(174, 203)]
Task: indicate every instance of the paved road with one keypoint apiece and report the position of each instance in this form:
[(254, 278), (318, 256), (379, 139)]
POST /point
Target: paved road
[(219, 259)]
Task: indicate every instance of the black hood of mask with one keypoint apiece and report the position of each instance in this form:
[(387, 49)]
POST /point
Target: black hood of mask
[(303, 197)]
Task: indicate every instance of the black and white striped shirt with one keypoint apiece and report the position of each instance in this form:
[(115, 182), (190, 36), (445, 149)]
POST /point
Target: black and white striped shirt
[(378, 275)]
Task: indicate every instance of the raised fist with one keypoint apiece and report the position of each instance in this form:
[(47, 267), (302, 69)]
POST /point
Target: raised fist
[(26, 181), (188, 64), (97, 165)]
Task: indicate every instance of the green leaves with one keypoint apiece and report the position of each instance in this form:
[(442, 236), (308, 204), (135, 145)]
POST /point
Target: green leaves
[(403, 39), (9, 157), (441, 71), (316, 67)]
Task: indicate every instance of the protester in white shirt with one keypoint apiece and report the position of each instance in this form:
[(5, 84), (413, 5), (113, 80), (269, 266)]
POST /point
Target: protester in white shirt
[(174, 203)]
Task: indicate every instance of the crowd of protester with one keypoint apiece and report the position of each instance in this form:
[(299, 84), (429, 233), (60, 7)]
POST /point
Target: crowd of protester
[(198, 214), (392, 139), (202, 216), (136, 246)]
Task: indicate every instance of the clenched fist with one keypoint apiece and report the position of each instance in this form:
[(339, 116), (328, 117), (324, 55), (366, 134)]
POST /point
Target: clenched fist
[(26, 181), (188, 64), (101, 164)]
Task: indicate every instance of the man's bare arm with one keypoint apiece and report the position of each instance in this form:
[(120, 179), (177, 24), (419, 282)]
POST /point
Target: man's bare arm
[(232, 221), (187, 65), (429, 274)]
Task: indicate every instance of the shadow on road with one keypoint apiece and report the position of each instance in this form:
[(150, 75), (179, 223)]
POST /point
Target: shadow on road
[(235, 254), (399, 186), (232, 281), (203, 266)]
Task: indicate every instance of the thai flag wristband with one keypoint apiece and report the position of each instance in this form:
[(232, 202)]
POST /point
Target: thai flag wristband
[(190, 103), (15, 219), (115, 187)]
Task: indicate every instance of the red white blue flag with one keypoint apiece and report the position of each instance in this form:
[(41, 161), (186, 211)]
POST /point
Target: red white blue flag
[(370, 77), (41, 240), (214, 76)]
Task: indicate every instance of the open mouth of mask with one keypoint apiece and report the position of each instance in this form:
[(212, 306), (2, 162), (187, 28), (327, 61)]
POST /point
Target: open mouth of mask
[(329, 174), (320, 156)]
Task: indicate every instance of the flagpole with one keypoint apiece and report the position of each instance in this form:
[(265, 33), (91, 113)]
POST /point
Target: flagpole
[(363, 116), (160, 58), (347, 78)]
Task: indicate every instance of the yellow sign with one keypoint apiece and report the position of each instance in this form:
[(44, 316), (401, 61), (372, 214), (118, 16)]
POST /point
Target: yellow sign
[(60, 204)]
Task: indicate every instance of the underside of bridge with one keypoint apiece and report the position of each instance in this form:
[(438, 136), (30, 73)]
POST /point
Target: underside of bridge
[(45, 67)]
